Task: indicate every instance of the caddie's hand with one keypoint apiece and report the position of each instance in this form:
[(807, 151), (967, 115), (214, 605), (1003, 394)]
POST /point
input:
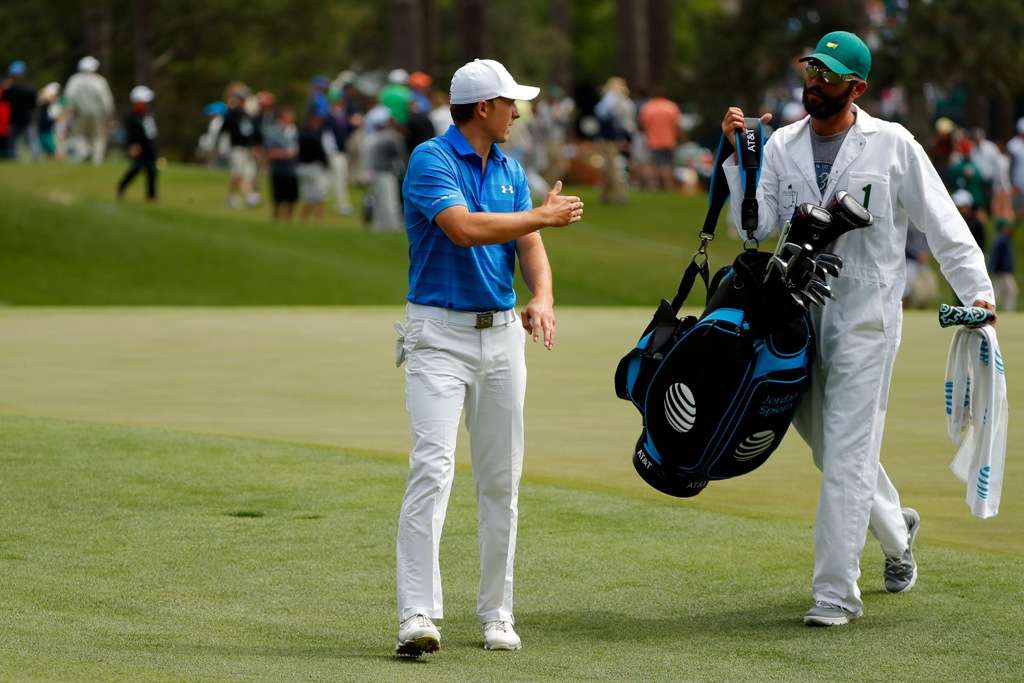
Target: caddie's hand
[(134, 151), (539, 319), (733, 121), (988, 307), (559, 209)]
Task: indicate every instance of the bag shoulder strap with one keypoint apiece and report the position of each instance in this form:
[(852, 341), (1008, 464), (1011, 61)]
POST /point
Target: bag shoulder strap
[(749, 145), (687, 282)]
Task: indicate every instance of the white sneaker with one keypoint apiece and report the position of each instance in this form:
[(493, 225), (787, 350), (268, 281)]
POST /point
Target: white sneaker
[(901, 571), (253, 199), (827, 614), (234, 201), (499, 635), (417, 635)]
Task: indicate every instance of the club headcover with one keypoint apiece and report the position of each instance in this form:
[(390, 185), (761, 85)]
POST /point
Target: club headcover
[(848, 214), (809, 225)]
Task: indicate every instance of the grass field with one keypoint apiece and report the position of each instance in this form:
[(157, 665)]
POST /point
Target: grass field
[(64, 240), (139, 548), (211, 493), (153, 555)]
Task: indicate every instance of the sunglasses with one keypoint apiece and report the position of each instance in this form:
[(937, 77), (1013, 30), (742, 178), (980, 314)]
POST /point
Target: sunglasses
[(830, 77)]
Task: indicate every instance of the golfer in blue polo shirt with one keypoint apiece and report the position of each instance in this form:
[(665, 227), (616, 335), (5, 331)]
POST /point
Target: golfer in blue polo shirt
[(468, 216)]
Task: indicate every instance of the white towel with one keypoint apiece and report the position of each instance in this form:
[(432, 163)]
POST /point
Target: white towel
[(977, 412)]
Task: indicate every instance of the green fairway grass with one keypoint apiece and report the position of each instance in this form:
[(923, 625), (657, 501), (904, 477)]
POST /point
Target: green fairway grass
[(327, 376), (65, 240), (144, 554)]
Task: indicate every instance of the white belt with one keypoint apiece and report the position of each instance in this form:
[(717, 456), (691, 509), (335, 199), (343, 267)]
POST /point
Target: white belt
[(480, 321)]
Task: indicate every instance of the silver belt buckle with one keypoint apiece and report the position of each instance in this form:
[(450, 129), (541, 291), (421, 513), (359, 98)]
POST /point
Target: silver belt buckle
[(484, 320)]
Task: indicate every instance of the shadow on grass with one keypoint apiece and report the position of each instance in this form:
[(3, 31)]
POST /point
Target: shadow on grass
[(382, 652), (740, 621)]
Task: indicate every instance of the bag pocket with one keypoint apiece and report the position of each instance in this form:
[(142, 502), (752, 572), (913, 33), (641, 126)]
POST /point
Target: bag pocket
[(872, 191), (761, 421)]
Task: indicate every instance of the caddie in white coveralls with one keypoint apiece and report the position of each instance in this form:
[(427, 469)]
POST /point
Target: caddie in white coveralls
[(468, 216), (840, 147)]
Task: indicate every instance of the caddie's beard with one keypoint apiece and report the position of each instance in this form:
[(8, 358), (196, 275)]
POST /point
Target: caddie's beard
[(827, 107)]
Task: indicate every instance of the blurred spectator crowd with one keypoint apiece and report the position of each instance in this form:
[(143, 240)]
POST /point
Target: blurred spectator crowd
[(350, 130), (72, 121), (986, 182), (359, 129)]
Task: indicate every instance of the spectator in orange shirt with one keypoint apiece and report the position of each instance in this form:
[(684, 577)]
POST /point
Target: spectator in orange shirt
[(659, 119)]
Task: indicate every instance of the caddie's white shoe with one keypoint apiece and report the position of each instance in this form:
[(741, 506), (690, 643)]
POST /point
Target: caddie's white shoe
[(901, 571), (827, 614), (417, 635), (499, 635)]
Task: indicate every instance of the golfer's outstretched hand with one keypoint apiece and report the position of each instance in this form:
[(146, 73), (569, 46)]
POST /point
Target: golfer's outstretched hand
[(559, 209), (733, 120), (538, 319)]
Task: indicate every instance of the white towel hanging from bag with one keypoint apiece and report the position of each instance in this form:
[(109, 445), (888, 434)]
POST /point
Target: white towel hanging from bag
[(977, 415)]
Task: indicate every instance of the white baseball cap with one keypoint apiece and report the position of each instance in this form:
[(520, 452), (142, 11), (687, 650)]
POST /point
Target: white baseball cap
[(141, 93), (49, 91), (88, 64), (963, 198), (485, 79)]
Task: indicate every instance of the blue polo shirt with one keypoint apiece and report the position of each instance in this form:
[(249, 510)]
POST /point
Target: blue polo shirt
[(445, 171)]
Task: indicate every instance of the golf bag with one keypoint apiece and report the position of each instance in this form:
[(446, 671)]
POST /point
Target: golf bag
[(718, 391)]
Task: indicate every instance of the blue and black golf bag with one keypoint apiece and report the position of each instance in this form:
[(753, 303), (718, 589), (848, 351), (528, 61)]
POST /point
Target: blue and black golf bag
[(718, 391)]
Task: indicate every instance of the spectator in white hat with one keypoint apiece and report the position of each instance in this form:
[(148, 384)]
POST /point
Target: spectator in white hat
[(90, 107), (965, 203), (398, 77), (140, 139), (468, 216), (47, 116)]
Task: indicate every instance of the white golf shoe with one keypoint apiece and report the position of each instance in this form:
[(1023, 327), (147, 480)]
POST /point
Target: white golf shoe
[(417, 635), (499, 635), (901, 571)]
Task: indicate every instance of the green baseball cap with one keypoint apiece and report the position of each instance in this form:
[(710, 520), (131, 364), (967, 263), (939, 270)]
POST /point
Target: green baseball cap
[(844, 53)]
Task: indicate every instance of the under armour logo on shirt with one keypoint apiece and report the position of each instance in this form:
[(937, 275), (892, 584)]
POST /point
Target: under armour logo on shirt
[(507, 189)]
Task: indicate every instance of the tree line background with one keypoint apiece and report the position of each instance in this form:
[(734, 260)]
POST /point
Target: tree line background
[(706, 54)]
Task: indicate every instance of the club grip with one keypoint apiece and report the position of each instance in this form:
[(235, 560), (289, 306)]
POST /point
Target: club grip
[(970, 316)]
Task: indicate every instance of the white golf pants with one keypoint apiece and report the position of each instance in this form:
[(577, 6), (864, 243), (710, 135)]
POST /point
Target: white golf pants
[(842, 418), (454, 366), (387, 206), (339, 182)]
